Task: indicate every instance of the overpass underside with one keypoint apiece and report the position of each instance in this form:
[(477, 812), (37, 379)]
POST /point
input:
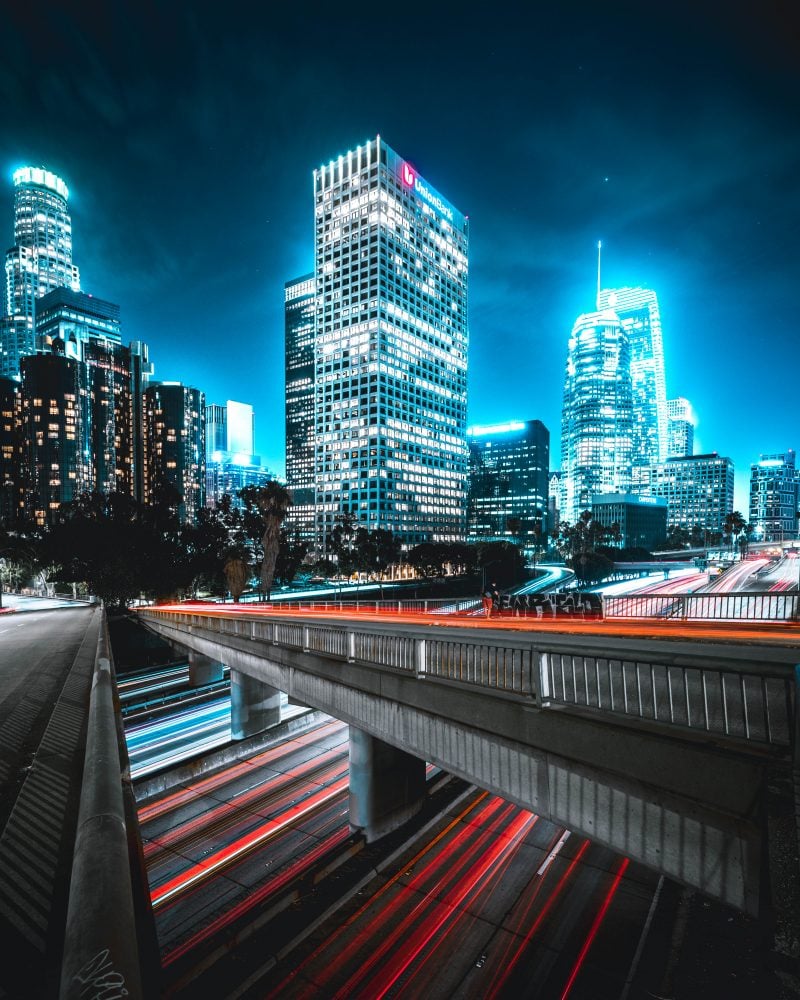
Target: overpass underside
[(687, 806)]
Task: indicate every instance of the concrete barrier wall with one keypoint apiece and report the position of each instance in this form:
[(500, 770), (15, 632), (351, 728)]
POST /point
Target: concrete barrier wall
[(101, 948)]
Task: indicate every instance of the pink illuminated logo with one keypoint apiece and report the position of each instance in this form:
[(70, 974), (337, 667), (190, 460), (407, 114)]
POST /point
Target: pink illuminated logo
[(408, 175)]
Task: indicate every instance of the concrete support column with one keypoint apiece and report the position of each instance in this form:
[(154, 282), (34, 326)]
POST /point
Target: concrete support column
[(387, 785), (203, 670), (255, 705)]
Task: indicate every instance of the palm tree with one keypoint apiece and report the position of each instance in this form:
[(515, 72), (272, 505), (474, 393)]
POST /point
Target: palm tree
[(273, 501), (733, 526)]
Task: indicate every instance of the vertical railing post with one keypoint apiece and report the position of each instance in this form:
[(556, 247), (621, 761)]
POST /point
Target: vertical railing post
[(306, 638), (421, 657), (351, 647)]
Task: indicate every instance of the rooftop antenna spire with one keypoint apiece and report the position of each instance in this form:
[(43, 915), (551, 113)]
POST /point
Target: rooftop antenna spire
[(599, 249)]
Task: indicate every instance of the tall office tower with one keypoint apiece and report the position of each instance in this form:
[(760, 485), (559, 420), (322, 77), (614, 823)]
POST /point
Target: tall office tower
[(175, 447), (597, 415), (680, 437), (76, 424), (230, 462), (39, 262), (109, 405), (142, 370), (56, 446), (638, 312), (390, 351), (300, 314), (76, 318), (509, 467), (216, 429), (554, 501), (698, 489), (10, 451), (775, 497)]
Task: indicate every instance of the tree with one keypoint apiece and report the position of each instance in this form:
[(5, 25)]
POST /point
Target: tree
[(733, 525), (273, 502), (237, 573), (341, 542), (291, 552)]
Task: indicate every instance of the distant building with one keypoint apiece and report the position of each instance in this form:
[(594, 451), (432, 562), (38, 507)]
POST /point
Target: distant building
[(680, 436), (390, 349), (10, 451), (638, 312), (508, 482), (597, 414), (55, 433), (775, 497), (175, 447), (553, 500), (300, 314), (698, 489), (642, 521), (230, 462), (76, 317), (39, 262)]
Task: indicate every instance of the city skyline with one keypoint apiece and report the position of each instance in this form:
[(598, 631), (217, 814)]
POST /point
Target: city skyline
[(192, 218)]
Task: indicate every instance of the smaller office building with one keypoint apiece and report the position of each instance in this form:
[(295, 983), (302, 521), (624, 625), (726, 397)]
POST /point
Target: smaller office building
[(642, 520)]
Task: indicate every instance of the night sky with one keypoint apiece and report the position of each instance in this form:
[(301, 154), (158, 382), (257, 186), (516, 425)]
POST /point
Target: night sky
[(187, 134)]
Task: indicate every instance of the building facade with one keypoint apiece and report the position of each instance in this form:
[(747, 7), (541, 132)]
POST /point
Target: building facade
[(175, 447), (775, 497), (638, 312), (300, 317), (680, 436), (76, 318), (230, 462), (597, 414), (642, 521), (698, 489), (39, 262), (509, 470), (390, 349)]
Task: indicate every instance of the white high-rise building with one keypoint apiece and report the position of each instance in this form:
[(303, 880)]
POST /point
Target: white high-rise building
[(680, 429), (637, 309), (597, 416), (390, 349), (39, 262)]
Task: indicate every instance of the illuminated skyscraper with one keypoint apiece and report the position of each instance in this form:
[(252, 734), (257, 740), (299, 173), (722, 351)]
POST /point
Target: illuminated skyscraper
[(390, 349), (597, 415), (680, 436), (637, 309), (175, 447), (300, 315), (775, 497), (39, 262), (230, 462), (698, 489), (508, 482)]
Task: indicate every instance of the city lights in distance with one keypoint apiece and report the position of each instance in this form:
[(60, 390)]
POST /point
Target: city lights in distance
[(480, 429)]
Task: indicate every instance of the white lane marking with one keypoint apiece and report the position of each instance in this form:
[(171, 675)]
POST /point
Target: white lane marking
[(552, 855)]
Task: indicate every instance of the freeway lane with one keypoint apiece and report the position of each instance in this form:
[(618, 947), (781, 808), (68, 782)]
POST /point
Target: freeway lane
[(495, 903)]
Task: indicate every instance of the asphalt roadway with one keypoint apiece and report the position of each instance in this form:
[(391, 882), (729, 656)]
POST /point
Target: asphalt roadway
[(46, 664)]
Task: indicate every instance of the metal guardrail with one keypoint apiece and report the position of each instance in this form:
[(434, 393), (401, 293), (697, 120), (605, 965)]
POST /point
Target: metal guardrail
[(751, 703), (755, 704), (752, 607)]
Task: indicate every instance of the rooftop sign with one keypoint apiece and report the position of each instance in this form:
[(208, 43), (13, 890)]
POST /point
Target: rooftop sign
[(411, 179)]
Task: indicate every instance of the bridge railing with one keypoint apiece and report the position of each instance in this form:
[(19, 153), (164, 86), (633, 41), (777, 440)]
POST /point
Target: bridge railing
[(753, 607), (751, 702)]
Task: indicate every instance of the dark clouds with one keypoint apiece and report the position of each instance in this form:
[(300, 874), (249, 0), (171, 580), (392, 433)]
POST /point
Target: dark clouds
[(188, 132)]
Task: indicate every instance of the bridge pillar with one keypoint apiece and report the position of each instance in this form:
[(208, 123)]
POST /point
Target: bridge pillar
[(387, 785), (203, 670), (255, 706)]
